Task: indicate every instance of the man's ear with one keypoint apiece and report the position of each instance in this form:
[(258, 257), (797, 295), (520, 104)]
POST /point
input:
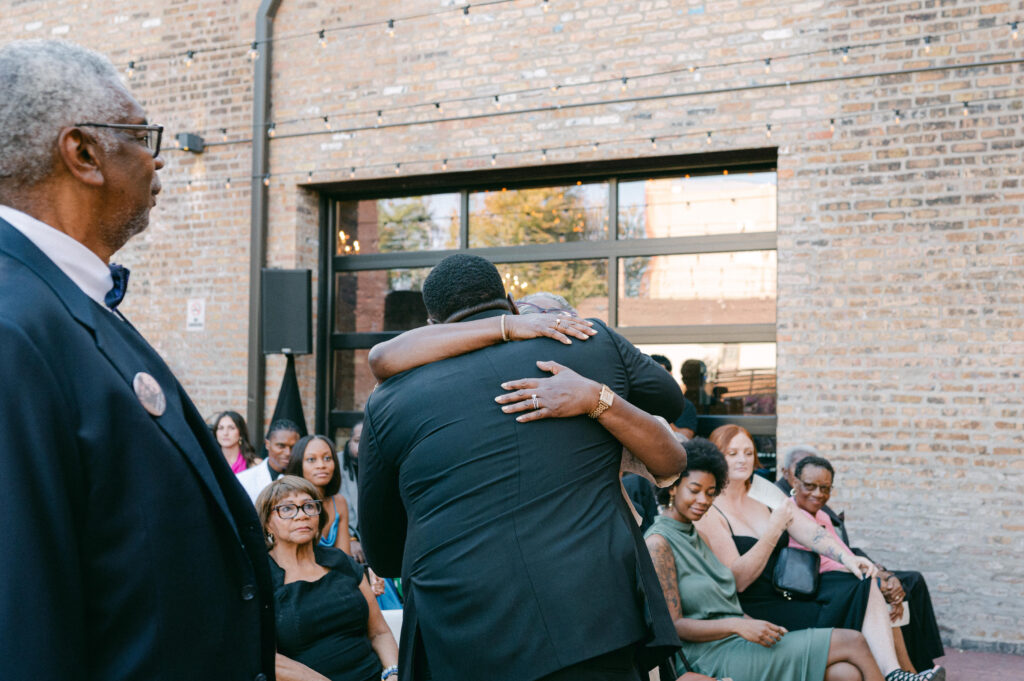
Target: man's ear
[(79, 154), (511, 303)]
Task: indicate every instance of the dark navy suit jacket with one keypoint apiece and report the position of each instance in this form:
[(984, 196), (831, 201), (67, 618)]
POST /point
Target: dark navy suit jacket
[(129, 550), (517, 551)]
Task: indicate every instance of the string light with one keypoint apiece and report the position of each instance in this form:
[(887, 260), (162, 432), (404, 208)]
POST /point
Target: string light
[(768, 65), (692, 68), (266, 180), (897, 114), (444, 164), (322, 36), (625, 81), (543, 155), (1013, 29), (437, 105), (465, 15), (554, 88), (497, 102), (391, 28), (227, 183), (768, 130), (927, 44), (709, 137), (380, 116), (494, 159), (398, 168), (846, 54), (327, 123), (654, 143), (545, 5), (254, 51), (966, 109), (223, 134), (309, 178), (831, 125), (594, 148), (131, 69), (272, 130), (189, 57), (352, 172)]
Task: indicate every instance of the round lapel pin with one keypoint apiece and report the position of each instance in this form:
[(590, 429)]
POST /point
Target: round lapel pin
[(149, 393)]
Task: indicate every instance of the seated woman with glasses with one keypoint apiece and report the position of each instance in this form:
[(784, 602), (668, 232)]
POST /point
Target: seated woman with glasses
[(918, 641), (328, 622)]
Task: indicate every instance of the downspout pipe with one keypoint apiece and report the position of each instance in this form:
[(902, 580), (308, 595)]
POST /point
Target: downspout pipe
[(256, 383)]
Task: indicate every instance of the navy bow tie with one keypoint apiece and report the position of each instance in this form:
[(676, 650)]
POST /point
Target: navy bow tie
[(115, 295)]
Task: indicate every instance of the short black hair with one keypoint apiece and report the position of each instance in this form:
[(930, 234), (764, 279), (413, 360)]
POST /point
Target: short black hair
[(282, 424), (819, 461), (458, 282), (701, 455), (663, 361), (294, 466)]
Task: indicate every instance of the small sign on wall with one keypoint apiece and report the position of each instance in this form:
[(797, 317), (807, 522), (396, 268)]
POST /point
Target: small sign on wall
[(195, 315)]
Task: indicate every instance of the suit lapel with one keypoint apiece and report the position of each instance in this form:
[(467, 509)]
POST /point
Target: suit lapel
[(126, 350)]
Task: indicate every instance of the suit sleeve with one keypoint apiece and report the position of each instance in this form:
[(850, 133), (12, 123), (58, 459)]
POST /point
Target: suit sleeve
[(651, 388), (41, 589), (382, 519)]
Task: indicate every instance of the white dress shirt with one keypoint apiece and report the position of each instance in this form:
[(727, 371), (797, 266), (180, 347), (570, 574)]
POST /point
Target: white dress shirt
[(81, 265)]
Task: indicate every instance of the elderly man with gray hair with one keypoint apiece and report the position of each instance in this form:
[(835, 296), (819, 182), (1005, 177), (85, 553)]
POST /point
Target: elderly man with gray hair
[(130, 551)]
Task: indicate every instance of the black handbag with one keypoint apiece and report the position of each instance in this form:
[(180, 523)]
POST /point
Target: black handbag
[(796, 573)]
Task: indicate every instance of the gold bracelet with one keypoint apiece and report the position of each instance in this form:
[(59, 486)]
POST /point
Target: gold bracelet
[(504, 332)]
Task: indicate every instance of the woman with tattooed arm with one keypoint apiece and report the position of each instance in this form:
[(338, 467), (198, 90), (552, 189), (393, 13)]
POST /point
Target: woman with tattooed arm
[(746, 537)]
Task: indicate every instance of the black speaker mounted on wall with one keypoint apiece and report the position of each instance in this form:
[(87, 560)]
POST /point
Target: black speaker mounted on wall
[(287, 312)]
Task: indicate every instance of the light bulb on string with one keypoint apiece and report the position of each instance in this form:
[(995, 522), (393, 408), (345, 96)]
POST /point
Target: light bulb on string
[(465, 15), (709, 137), (272, 130), (594, 148), (545, 5), (497, 102), (327, 123), (1013, 30), (380, 116), (768, 65), (654, 143), (398, 168), (444, 164), (494, 159), (927, 44), (352, 172), (896, 113), (266, 180), (831, 125), (625, 84), (437, 105), (227, 183), (692, 68), (322, 37), (254, 51), (391, 28), (768, 130), (223, 134), (846, 54), (966, 109), (189, 58), (309, 177), (130, 71), (543, 155)]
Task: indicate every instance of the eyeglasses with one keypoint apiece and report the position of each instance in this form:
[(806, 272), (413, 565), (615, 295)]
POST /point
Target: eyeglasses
[(153, 133), (288, 511), (543, 310), (811, 487)]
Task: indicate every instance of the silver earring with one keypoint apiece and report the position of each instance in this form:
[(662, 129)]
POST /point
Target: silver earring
[(792, 491), (270, 538)]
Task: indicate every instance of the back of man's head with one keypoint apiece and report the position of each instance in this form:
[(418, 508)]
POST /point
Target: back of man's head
[(459, 282), (48, 85)]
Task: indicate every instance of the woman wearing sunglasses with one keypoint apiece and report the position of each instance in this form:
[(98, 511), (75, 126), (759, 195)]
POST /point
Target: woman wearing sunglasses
[(328, 623)]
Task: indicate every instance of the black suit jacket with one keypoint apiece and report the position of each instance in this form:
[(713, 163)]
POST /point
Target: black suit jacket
[(517, 551), (129, 550)]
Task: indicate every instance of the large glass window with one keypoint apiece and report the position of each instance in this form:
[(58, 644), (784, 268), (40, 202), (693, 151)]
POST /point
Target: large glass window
[(683, 264)]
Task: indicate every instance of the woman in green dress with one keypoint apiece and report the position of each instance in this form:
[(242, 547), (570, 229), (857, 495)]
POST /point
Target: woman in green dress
[(718, 639)]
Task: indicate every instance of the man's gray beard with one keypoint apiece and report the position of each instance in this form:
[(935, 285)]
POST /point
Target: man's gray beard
[(118, 235)]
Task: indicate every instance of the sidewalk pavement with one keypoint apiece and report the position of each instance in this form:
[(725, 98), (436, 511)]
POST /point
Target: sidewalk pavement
[(970, 665)]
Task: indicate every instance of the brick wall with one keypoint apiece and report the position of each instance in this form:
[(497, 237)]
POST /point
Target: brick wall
[(901, 245)]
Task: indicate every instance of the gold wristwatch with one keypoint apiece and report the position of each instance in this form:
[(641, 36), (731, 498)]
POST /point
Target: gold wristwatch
[(603, 402)]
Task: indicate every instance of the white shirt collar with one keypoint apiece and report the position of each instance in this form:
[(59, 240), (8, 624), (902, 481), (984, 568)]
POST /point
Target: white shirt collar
[(81, 265)]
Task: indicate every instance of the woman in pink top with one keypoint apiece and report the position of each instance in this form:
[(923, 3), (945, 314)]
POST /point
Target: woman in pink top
[(233, 438), (813, 488)]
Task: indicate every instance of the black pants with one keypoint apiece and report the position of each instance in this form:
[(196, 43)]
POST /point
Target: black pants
[(617, 665)]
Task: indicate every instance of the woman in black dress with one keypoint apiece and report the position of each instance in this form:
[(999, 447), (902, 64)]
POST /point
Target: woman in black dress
[(328, 621)]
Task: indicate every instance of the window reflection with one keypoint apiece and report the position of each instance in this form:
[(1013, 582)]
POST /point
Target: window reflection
[(538, 216), (723, 378), (379, 300), (410, 223), (697, 289), (353, 380), (584, 283), (697, 206)]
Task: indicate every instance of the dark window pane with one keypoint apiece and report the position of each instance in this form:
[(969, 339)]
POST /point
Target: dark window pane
[(412, 223), (584, 283), (739, 378), (538, 216), (353, 381), (698, 289), (379, 300), (697, 206)]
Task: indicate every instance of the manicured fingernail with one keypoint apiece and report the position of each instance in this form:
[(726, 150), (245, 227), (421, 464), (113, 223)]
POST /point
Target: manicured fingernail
[(520, 418), (506, 409), (505, 386)]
